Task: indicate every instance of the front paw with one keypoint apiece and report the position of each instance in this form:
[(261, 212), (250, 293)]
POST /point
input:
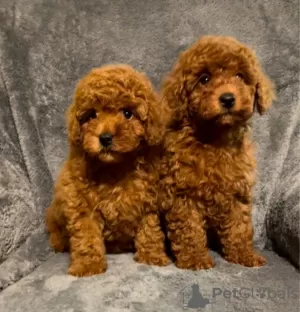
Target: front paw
[(251, 259), (84, 266), (159, 259), (194, 262), (58, 242)]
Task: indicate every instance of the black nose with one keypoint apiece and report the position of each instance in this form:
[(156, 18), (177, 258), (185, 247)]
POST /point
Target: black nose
[(106, 139), (227, 100)]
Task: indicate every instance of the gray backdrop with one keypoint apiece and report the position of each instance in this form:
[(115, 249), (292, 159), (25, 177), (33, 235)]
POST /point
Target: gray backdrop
[(46, 46)]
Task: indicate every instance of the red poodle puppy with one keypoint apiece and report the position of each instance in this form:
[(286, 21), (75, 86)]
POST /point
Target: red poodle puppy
[(105, 197), (212, 91)]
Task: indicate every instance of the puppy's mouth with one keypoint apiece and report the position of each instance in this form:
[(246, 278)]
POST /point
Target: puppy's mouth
[(109, 155), (231, 117), (225, 119), (108, 150)]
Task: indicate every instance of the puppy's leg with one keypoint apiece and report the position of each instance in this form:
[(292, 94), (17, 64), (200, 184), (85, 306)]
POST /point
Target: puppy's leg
[(56, 227), (87, 247), (150, 242), (236, 236), (187, 236)]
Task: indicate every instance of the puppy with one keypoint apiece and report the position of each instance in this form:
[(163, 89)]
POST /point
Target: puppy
[(105, 196), (213, 90)]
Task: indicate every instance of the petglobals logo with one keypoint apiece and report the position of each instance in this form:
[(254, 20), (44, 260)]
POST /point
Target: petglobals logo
[(192, 297)]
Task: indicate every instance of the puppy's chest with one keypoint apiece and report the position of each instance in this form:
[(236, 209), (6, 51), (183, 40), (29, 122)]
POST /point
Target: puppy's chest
[(120, 203), (213, 166), (226, 164)]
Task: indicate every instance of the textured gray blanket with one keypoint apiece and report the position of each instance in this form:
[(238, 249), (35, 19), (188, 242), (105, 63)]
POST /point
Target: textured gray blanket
[(45, 47)]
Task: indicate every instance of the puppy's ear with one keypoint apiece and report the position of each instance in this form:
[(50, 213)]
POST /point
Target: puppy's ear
[(265, 93), (156, 121), (73, 127), (174, 94)]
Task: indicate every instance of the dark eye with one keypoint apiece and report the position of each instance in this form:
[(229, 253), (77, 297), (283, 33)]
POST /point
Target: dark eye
[(204, 78), (127, 113), (240, 76), (87, 116)]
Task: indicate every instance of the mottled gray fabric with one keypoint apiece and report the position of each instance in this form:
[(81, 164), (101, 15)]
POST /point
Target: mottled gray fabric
[(45, 47), (128, 286)]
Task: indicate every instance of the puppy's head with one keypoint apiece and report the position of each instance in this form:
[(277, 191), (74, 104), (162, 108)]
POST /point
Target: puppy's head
[(114, 112), (217, 80)]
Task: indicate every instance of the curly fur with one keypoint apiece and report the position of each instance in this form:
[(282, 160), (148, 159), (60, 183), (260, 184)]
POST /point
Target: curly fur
[(209, 165), (105, 197)]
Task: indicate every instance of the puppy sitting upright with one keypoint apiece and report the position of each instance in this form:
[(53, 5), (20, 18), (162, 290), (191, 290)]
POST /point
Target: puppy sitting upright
[(105, 197), (212, 91)]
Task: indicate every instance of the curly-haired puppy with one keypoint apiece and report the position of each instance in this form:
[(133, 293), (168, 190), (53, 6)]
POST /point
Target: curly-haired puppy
[(212, 91), (105, 196)]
